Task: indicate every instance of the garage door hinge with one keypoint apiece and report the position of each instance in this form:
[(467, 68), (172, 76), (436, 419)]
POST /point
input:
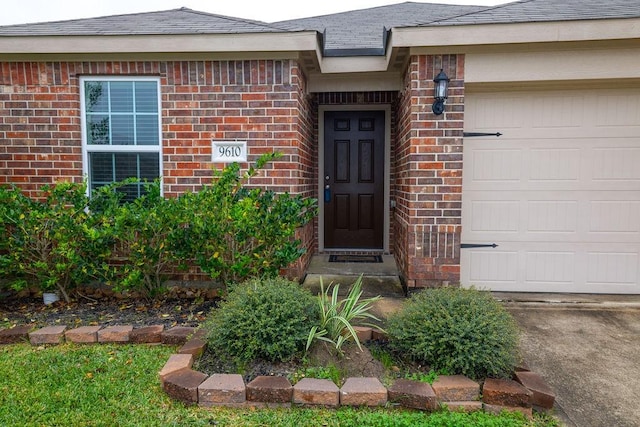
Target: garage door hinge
[(470, 134), (477, 245)]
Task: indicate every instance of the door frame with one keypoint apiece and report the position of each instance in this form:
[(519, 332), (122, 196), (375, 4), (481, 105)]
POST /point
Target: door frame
[(387, 170)]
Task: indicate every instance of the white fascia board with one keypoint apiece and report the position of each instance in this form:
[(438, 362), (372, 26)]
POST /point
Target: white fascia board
[(528, 32), (245, 42), (361, 82), (353, 64)]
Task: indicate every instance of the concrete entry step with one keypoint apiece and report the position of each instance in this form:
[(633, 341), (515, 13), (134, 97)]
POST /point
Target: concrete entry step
[(320, 265), (386, 286), (379, 278)]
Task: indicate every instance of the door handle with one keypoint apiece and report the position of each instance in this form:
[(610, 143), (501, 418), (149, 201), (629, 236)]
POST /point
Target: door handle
[(327, 193)]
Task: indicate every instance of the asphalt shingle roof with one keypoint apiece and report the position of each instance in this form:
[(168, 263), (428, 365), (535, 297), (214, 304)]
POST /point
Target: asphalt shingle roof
[(175, 21), (358, 32), (362, 30), (546, 11)]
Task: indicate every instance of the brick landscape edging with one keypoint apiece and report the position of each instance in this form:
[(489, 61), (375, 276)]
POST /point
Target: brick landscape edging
[(527, 391)]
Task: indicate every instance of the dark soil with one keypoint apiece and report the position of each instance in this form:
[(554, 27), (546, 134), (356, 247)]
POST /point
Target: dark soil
[(354, 363), (211, 363), (105, 311), (172, 311)]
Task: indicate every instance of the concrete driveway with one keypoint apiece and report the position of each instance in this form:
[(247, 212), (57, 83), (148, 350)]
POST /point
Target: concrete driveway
[(588, 350)]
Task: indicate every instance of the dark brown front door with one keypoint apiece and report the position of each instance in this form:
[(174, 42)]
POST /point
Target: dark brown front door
[(354, 179)]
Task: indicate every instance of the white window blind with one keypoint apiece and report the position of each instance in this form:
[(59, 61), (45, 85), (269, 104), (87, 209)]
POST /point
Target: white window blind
[(121, 131)]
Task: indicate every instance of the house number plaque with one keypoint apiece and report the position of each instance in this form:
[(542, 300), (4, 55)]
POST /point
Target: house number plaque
[(229, 151)]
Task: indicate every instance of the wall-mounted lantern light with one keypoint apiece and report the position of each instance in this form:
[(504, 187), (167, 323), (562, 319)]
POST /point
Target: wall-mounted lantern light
[(441, 88)]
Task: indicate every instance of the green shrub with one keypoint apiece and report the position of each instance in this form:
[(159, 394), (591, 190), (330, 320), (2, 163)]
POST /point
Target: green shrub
[(460, 331), (49, 241), (236, 232), (144, 235), (231, 231), (265, 319)]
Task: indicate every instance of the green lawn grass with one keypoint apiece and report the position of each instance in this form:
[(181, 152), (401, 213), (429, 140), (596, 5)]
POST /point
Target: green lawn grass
[(118, 385)]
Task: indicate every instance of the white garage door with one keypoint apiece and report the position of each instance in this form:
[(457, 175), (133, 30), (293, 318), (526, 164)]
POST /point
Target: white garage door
[(559, 192)]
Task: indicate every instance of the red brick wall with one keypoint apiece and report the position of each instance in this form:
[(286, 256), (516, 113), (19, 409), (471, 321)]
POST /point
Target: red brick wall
[(261, 101), (39, 125), (428, 174), (306, 162), (254, 100)]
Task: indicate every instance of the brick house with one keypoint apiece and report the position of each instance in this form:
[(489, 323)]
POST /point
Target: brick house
[(347, 98)]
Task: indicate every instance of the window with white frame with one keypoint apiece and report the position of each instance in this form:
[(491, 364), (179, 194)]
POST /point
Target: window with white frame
[(121, 130)]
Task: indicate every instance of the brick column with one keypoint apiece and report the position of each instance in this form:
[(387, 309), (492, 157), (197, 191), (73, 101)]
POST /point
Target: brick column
[(428, 174)]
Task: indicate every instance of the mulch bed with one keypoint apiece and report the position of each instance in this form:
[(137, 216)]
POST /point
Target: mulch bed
[(105, 311), (169, 311)]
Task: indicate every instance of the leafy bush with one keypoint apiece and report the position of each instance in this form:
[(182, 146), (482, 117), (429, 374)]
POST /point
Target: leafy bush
[(337, 318), (236, 232), (461, 331), (262, 319), (144, 236), (50, 241), (233, 232)]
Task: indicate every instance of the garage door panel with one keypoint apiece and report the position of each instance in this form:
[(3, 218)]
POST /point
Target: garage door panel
[(554, 164), (553, 216), (623, 110), (567, 112), (495, 216), (612, 268), (559, 192), (496, 165), (555, 268), (614, 216), (583, 167), (550, 267), (508, 216), (589, 168), (491, 268), (616, 164), (564, 216), (492, 111)]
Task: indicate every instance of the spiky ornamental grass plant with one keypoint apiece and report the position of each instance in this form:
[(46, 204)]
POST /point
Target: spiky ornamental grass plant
[(337, 318)]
